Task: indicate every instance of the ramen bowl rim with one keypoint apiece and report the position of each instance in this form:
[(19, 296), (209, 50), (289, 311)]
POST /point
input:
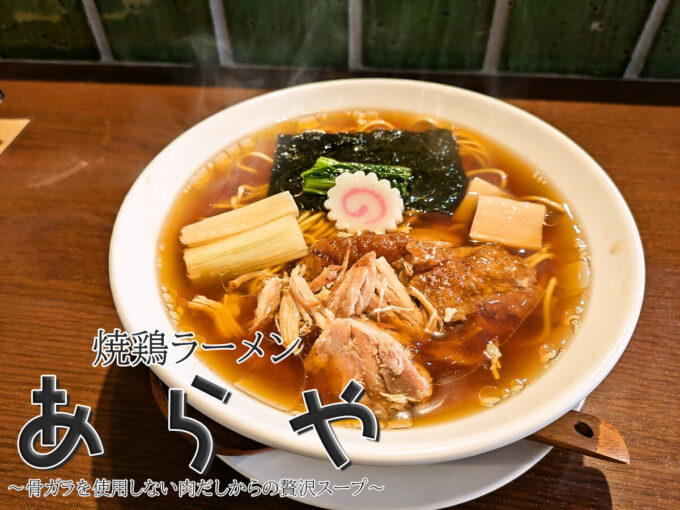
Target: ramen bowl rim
[(135, 285)]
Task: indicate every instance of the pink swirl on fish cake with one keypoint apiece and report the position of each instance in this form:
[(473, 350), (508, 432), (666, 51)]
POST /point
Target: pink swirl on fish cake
[(363, 208)]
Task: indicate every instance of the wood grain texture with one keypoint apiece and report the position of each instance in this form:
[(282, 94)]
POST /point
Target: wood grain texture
[(585, 434), (62, 182)]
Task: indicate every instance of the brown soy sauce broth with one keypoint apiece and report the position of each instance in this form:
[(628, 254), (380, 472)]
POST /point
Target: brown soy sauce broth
[(456, 388)]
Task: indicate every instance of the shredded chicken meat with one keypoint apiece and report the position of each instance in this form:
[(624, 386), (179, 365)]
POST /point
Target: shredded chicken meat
[(363, 351), (352, 292), (267, 302), (371, 296)]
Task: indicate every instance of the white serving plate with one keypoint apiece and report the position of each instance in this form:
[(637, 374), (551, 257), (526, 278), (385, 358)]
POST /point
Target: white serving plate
[(427, 486)]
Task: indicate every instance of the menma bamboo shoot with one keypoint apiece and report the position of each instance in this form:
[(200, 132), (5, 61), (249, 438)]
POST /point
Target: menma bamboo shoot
[(267, 245), (477, 187), (509, 222), (239, 220)]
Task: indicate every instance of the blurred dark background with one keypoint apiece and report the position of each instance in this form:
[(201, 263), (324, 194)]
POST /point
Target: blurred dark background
[(588, 49)]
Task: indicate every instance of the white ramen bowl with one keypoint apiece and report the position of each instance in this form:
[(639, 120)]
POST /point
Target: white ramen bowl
[(615, 293)]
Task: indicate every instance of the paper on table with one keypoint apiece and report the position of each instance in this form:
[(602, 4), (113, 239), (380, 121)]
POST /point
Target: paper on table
[(9, 130)]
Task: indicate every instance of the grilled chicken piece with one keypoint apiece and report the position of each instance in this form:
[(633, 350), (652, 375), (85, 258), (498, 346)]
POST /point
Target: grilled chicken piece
[(424, 255), (308, 304), (485, 278), (289, 319), (332, 250), (298, 308), (267, 302), (399, 375), (328, 275), (351, 294), (391, 304), (397, 248), (360, 350)]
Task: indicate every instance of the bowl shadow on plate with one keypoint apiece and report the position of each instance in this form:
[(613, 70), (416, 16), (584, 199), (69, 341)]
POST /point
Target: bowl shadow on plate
[(139, 446)]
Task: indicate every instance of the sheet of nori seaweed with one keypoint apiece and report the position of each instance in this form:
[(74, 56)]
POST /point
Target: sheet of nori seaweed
[(438, 182)]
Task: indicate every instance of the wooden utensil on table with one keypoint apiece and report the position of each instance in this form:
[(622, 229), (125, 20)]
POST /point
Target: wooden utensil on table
[(585, 434), (575, 431)]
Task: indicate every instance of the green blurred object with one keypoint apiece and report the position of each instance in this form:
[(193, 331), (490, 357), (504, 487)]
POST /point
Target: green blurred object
[(429, 34), (45, 29), (663, 60), (288, 33), (590, 37), (159, 30), (561, 37)]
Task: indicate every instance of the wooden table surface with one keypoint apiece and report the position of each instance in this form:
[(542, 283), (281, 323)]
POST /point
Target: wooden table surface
[(62, 183)]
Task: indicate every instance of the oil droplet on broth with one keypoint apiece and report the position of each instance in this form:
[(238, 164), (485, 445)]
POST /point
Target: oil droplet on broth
[(490, 396)]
